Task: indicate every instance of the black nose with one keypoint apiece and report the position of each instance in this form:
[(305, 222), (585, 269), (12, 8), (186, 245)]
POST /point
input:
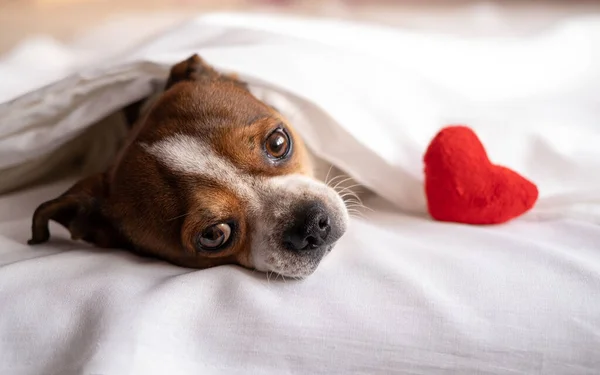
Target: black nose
[(310, 228)]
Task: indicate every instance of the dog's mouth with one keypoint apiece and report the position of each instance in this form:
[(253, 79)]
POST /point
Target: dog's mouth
[(297, 266)]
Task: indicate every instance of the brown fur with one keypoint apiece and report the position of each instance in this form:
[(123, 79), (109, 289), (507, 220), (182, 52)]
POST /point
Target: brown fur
[(141, 205)]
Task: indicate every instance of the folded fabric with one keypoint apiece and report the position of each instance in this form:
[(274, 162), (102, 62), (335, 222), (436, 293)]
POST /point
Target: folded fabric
[(368, 99)]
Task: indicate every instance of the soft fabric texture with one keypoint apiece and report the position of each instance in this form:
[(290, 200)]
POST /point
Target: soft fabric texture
[(463, 186), (400, 294), (369, 109)]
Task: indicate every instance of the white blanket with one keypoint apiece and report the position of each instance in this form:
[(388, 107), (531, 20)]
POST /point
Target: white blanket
[(400, 294)]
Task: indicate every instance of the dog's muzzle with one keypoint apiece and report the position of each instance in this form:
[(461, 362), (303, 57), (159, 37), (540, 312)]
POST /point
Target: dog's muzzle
[(310, 229)]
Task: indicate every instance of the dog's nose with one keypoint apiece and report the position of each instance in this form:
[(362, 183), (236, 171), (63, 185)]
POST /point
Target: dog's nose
[(310, 229)]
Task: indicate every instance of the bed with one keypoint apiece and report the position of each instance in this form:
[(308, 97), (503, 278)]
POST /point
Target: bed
[(401, 293)]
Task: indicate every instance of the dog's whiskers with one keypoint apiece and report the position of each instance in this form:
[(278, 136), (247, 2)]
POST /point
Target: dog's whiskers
[(351, 195), (337, 178), (330, 182), (355, 207), (353, 203), (357, 202), (351, 199), (349, 188), (180, 216), (355, 210), (341, 182), (328, 172)]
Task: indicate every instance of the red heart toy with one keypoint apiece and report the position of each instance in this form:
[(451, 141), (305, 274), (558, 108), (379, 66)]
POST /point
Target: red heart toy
[(463, 186)]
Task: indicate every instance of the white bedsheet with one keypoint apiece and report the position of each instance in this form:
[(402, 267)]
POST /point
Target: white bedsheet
[(366, 107), (400, 294)]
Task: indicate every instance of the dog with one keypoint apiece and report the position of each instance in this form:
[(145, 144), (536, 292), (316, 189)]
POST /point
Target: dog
[(209, 175)]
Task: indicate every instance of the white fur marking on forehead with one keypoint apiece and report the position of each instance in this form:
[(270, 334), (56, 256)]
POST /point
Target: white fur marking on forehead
[(188, 154)]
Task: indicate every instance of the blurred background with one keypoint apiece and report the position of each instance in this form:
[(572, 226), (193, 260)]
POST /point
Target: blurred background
[(64, 20)]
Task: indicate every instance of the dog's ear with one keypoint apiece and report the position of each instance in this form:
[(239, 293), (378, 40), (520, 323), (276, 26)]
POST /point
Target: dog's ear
[(195, 68), (79, 210)]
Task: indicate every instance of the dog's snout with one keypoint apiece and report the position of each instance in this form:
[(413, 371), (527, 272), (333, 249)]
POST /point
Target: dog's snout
[(310, 228)]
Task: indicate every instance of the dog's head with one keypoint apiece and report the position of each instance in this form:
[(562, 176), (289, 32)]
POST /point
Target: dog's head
[(210, 175)]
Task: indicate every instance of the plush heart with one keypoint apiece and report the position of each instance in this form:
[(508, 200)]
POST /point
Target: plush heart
[(463, 186)]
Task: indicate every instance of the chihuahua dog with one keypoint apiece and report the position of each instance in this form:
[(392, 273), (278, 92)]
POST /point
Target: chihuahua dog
[(209, 175)]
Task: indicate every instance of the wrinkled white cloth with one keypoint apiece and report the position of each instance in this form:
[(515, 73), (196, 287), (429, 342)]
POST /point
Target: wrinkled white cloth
[(400, 294), (366, 98)]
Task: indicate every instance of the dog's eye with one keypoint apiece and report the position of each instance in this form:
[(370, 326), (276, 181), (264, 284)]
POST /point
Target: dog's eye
[(214, 237), (278, 144)]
